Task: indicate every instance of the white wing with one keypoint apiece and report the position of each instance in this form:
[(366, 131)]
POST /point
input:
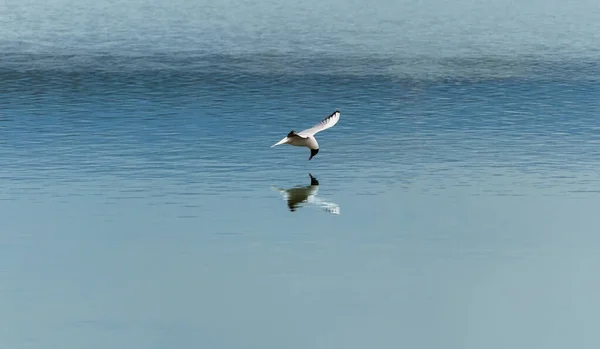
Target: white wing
[(323, 125), (330, 207)]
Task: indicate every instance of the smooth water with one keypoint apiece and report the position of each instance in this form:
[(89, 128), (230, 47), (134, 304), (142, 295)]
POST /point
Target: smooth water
[(457, 203)]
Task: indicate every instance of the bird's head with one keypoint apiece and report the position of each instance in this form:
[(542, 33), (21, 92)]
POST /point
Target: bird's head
[(313, 152)]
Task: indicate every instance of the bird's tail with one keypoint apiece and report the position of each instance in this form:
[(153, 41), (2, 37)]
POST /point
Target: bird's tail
[(283, 141)]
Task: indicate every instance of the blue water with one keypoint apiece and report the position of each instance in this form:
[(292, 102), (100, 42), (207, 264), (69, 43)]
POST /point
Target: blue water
[(139, 204)]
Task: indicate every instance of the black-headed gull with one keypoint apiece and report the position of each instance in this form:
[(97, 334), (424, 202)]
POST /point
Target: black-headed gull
[(306, 138), (295, 197)]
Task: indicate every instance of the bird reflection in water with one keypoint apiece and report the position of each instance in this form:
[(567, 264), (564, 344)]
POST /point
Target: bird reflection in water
[(298, 196)]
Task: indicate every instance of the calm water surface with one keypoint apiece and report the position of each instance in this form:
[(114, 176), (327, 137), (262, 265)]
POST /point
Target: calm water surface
[(141, 205)]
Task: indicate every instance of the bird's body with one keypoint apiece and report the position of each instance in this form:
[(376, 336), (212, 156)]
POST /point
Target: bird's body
[(298, 141), (307, 138)]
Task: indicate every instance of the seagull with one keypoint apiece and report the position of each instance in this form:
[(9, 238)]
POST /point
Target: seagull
[(295, 197), (306, 138)]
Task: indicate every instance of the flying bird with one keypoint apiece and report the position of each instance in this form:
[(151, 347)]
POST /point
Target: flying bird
[(307, 138), (298, 196)]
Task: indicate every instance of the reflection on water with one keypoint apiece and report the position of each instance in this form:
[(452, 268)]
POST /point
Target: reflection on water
[(297, 196)]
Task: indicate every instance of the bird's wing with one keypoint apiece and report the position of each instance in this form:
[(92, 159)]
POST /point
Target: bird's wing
[(330, 207), (280, 142), (323, 125), (283, 192)]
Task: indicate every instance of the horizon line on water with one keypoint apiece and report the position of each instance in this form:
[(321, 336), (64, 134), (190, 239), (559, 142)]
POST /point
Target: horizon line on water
[(420, 67)]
